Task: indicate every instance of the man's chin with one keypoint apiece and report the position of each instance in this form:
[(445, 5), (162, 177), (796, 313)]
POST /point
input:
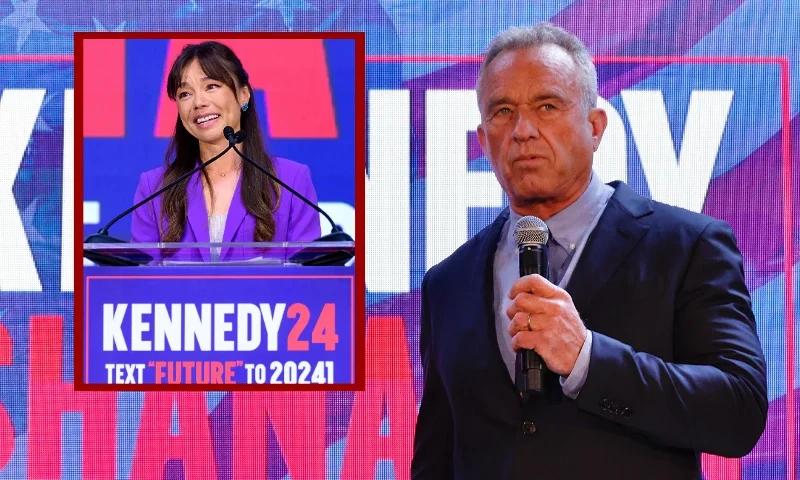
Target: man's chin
[(533, 193), (531, 199)]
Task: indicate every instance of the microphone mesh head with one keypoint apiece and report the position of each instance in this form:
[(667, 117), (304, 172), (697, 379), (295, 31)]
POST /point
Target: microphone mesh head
[(531, 230)]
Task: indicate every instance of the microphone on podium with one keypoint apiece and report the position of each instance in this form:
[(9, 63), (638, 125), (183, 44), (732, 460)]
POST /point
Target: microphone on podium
[(336, 235), (304, 257)]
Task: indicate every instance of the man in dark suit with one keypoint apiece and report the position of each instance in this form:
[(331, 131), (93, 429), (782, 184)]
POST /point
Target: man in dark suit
[(644, 322)]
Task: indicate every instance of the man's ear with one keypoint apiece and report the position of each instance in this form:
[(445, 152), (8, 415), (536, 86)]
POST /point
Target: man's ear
[(481, 137), (598, 121)]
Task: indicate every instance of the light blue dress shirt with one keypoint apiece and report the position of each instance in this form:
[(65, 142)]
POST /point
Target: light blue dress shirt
[(569, 230)]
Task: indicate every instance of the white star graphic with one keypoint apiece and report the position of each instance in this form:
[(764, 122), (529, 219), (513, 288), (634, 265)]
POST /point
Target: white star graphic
[(41, 125), (191, 8), (25, 20), (99, 27), (28, 216), (326, 24), (287, 8)]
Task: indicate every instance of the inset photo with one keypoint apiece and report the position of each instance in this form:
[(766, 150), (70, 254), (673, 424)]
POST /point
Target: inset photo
[(222, 211)]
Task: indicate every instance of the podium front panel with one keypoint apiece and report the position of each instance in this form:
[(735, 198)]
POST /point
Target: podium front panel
[(214, 326)]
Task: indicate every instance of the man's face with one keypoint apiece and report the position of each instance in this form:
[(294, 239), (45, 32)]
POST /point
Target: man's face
[(536, 133)]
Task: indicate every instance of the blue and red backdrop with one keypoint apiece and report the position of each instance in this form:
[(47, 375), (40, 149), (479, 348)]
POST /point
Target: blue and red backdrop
[(703, 100), (304, 91)]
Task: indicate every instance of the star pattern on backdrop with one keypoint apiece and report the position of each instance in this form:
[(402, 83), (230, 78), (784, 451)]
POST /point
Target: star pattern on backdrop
[(25, 20), (286, 9), (28, 216), (99, 27), (328, 22), (41, 125), (187, 9)]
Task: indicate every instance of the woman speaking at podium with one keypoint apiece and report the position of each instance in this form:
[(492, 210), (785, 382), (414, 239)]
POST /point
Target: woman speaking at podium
[(230, 200)]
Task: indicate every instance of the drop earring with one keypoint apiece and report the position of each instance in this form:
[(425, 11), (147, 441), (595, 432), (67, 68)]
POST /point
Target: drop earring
[(245, 107)]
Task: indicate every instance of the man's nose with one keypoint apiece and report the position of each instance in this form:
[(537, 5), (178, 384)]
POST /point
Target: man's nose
[(525, 125)]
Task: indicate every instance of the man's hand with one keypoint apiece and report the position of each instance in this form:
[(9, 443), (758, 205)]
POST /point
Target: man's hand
[(555, 330)]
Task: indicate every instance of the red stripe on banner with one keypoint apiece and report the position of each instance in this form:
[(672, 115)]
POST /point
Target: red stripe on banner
[(103, 87), (689, 59), (598, 59), (6, 346), (422, 58), (6, 437), (45, 348), (721, 468), (6, 426), (388, 382), (156, 446), (292, 73), (34, 58), (788, 242), (299, 421), (49, 397)]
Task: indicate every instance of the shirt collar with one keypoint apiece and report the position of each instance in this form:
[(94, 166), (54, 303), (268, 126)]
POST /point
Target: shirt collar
[(568, 226)]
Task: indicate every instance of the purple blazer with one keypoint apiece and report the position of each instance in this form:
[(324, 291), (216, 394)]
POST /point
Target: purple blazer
[(295, 221)]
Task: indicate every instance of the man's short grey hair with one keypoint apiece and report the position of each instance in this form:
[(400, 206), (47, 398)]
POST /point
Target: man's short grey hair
[(516, 38)]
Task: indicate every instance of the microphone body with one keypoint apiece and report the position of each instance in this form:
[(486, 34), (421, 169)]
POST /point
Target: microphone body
[(531, 235)]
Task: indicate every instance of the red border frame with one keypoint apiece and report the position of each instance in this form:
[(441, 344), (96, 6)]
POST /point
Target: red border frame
[(360, 167), (224, 387), (788, 220)]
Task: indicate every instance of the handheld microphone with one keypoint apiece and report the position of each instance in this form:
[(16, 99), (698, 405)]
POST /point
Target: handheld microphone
[(531, 235), (336, 235)]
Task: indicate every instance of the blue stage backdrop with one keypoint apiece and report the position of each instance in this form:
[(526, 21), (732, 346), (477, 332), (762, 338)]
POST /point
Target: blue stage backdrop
[(703, 101)]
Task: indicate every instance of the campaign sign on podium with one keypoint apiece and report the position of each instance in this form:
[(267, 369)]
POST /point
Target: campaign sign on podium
[(260, 317)]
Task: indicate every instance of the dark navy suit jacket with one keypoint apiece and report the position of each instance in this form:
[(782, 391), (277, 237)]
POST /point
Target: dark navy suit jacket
[(676, 364)]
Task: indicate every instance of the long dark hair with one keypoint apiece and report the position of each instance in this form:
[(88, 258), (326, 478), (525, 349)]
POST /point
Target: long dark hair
[(260, 195)]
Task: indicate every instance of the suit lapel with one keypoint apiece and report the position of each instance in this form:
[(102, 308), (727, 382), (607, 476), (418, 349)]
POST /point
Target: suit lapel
[(485, 271), (197, 213), (236, 214), (616, 234)]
